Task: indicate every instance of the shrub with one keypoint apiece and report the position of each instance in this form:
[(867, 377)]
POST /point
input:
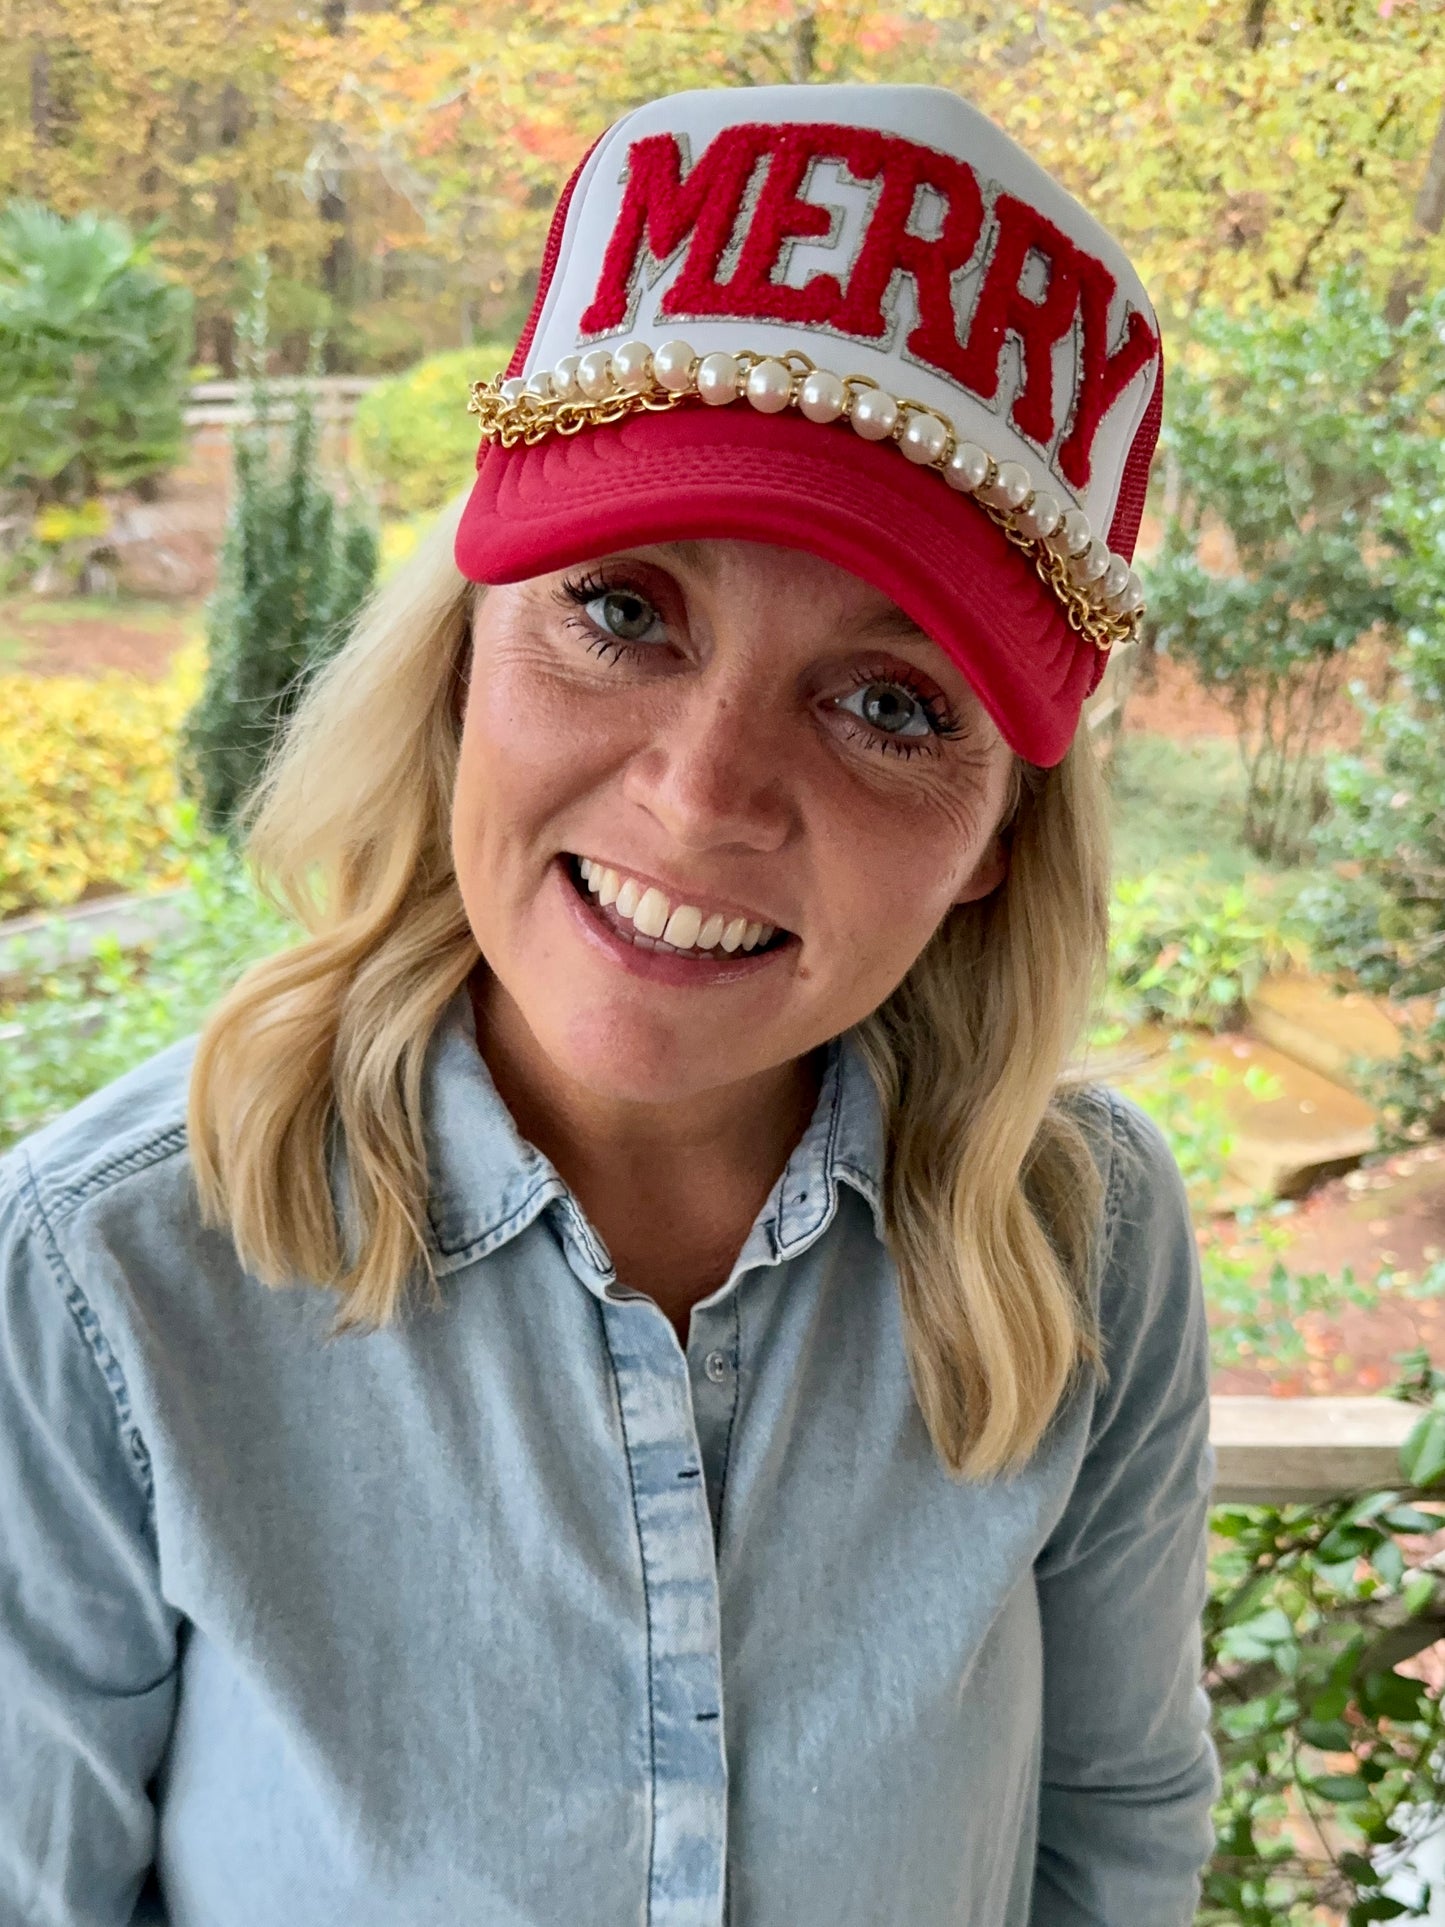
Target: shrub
[(76, 1029), (294, 571), (88, 790), (1386, 921), (1188, 949), (94, 352), (413, 433), (1293, 431)]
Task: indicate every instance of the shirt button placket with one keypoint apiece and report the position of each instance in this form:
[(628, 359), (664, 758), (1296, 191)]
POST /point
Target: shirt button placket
[(679, 1571)]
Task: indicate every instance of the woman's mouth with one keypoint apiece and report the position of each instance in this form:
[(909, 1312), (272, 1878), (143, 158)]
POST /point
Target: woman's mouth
[(654, 956)]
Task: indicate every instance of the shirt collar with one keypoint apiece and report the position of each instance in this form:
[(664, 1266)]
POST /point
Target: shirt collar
[(487, 1183)]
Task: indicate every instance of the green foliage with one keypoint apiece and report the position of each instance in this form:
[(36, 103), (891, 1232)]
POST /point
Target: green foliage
[(1294, 432), (94, 353), (413, 433), (88, 788), (1186, 949), (1383, 917), (295, 569), (1312, 1612), (74, 1030)]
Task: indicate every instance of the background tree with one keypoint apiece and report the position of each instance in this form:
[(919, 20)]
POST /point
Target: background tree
[(295, 568), (94, 356), (400, 158), (1299, 433)]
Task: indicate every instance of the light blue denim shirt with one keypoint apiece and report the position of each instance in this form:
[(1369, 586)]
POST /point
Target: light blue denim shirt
[(517, 1615)]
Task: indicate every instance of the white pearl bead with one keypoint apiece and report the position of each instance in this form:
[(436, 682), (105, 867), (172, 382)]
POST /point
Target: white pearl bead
[(540, 384), (1130, 598), (564, 378), (1115, 578), (822, 397), (632, 366), (966, 467), (717, 379), (770, 387), (1009, 487), (511, 388), (594, 374), (1039, 517), (1073, 535), (924, 438), (874, 414), (672, 364), (1090, 566)]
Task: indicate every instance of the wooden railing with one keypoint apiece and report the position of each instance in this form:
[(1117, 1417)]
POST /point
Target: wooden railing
[(1272, 1450), (222, 403)]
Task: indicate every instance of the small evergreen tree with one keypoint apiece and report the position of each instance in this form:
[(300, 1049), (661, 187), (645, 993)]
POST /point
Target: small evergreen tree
[(295, 569)]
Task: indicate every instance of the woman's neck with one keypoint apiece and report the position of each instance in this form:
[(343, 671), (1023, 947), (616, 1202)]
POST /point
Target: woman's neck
[(672, 1190)]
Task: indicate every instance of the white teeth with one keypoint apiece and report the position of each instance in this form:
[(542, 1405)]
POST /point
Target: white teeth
[(650, 916), (684, 927)]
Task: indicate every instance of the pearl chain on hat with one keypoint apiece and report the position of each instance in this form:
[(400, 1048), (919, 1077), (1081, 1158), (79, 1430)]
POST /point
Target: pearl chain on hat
[(1102, 596)]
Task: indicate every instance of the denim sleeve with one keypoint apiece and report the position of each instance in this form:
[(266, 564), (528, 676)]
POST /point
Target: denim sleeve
[(1129, 1770), (87, 1643)]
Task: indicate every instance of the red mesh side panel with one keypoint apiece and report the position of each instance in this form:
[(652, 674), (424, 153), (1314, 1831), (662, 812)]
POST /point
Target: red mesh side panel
[(1129, 510), (549, 262)]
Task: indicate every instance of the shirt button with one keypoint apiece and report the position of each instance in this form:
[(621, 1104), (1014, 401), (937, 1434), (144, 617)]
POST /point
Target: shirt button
[(716, 1366)]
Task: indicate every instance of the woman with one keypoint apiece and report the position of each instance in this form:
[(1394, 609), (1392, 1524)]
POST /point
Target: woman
[(786, 1501)]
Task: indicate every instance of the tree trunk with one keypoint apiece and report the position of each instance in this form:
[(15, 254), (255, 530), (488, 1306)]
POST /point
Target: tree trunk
[(805, 46), (1408, 284), (42, 102), (338, 267)]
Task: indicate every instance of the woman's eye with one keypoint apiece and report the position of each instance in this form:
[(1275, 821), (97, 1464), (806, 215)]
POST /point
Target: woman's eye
[(887, 705), (624, 614)]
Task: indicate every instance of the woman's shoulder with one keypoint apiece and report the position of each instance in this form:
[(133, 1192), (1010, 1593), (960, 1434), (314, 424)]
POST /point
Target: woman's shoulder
[(1132, 1153), (116, 1139), (1147, 1256)]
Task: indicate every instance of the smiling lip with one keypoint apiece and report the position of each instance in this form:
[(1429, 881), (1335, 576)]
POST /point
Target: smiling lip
[(675, 893), (660, 966)]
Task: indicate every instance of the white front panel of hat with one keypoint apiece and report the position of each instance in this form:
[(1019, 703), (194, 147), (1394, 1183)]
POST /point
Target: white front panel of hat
[(932, 118)]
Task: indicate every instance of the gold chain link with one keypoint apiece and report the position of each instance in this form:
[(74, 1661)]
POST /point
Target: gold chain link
[(529, 419)]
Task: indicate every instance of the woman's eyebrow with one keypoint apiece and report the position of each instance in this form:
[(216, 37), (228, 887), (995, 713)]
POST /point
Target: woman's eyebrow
[(895, 624)]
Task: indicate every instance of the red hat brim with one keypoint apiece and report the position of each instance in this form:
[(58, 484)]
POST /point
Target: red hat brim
[(696, 472)]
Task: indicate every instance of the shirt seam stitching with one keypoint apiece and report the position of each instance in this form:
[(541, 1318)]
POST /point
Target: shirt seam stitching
[(647, 1622), (493, 1234), (125, 1164), (727, 1451), (97, 1345)]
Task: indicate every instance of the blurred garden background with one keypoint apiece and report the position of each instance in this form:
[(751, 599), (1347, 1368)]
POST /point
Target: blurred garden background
[(250, 258)]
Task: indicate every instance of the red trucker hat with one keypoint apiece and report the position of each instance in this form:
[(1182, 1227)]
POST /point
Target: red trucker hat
[(856, 320)]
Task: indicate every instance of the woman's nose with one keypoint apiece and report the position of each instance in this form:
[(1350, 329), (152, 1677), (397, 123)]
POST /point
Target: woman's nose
[(717, 770)]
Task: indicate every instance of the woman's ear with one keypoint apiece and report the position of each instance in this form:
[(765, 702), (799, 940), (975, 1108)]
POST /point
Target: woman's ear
[(989, 871)]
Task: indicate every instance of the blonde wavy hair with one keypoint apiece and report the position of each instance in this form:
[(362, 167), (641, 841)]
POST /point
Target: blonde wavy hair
[(992, 1192)]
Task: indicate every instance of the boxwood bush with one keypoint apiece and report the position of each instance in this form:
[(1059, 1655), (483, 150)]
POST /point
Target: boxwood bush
[(88, 788), (414, 436)]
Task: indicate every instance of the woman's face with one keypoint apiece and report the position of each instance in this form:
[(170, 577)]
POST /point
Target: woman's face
[(758, 732)]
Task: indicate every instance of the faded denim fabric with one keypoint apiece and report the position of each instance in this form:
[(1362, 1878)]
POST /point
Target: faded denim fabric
[(516, 1616)]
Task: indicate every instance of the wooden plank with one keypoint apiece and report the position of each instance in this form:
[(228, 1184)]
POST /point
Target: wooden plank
[(50, 939), (1272, 1450), (286, 385)]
